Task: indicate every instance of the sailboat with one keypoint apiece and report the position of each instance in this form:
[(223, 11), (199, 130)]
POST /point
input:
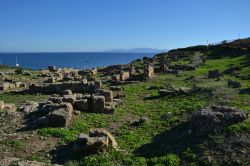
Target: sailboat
[(17, 65)]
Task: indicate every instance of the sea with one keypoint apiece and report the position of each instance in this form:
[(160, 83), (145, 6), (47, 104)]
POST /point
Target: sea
[(80, 60)]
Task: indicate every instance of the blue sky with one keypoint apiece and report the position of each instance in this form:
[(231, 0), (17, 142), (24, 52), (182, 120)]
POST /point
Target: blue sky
[(97, 25)]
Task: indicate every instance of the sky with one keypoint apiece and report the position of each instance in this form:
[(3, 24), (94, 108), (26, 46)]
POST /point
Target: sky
[(99, 25)]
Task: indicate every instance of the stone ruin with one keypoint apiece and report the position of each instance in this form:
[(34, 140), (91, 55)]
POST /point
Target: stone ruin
[(148, 70), (174, 91), (88, 72), (11, 86), (163, 67), (216, 118), (56, 115), (96, 141), (122, 76), (57, 88)]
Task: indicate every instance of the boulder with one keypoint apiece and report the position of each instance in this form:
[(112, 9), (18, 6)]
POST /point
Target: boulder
[(59, 118), (148, 70), (1, 105), (67, 92), (233, 84), (82, 105), (98, 104), (104, 133), (214, 74), (28, 107), (216, 118), (107, 94), (118, 102), (124, 75), (5, 86), (69, 99), (10, 106)]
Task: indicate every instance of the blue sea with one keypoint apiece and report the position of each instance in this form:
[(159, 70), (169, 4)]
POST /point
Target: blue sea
[(77, 60)]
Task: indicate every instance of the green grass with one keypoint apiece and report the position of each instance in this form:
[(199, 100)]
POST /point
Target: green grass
[(19, 98), (13, 143), (151, 137)]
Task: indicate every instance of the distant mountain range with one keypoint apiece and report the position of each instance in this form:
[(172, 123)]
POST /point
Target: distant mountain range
[(142, 50)]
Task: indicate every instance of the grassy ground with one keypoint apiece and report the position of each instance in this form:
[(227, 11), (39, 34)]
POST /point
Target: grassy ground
[(163, 140)]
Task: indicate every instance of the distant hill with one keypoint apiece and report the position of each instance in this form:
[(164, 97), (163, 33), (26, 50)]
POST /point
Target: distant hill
[(143, 50)]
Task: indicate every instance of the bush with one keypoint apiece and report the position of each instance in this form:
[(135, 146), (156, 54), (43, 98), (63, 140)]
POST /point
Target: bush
[(19, 71)]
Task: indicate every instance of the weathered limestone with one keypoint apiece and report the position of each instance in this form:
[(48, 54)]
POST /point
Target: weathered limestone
[(233, 84), (82, 105), (98, 104), (132, 70), (98, 140), (58, 115), (5, 86), (1, 105), (148, 70), (28, 107), (163, 67), (107, 94), (104, 133), (59, 118), (216, 118), (67, 92), (69, 99), (57, 88), (174, 91), (124, 75)]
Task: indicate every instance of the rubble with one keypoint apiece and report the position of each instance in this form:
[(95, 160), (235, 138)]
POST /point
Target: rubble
[(215, 118)]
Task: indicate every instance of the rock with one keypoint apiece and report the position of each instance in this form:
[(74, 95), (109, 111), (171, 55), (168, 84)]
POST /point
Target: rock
[(166, 115), (10, 106), (216, 118), (104, 133), (1, 105), (165, 92), (214, 74), (233, 84), (82, 105), (124, 75), (4, 86), (28, 107), (67, 92), (97, 141), (118, 102), (51, 80), (59, 118), (98, 104), (116, 88), (107, 94), (77, 112), (148, 70), (139, 121), (69, 99), (245, 91), (52, 68)]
